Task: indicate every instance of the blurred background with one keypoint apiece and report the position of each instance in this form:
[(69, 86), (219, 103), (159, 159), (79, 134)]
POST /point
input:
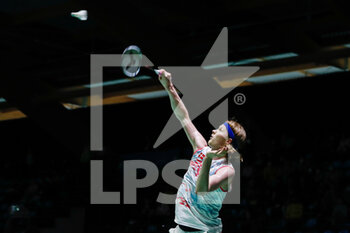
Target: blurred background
[(295, 174)]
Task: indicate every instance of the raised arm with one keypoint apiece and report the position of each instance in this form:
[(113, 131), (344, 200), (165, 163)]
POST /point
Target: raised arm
[(180, 111), (222, 178)]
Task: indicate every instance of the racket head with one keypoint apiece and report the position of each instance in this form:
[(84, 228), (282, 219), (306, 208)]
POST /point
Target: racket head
[(131, 61)]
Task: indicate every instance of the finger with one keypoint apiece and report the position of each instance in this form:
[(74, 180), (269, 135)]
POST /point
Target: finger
[(223, 151), (220, 151)]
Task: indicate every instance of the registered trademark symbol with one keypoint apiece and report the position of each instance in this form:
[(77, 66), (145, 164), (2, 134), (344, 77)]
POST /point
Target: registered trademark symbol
[(239, 99)]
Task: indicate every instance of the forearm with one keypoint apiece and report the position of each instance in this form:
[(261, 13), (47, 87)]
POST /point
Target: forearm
[(202, 184), (176, 103)]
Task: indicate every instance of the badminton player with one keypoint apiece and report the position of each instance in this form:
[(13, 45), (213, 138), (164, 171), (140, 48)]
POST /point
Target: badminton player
[(210, 174)]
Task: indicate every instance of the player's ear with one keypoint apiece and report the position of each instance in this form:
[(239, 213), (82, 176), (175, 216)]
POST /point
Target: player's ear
[(229, 141)]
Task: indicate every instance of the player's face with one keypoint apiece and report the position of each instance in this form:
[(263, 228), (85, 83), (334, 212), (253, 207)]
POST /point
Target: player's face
[(218, 137)]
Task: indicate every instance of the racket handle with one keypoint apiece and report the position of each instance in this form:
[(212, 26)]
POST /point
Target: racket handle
[(150, 68), (156, 71)]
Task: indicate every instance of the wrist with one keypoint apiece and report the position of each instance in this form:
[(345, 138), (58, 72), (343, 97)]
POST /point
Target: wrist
[(170, 87)]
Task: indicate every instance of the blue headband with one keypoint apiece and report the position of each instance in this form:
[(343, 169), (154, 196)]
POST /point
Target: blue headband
[(231, 135)]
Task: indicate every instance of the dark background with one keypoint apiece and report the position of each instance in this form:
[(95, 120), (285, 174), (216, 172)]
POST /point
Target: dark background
[(296, 163)]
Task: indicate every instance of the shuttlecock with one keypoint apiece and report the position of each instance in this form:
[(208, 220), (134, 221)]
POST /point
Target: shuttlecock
[(82, 14)]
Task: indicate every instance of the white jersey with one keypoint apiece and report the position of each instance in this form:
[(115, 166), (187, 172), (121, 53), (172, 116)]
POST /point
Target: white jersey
[(200, 211)]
